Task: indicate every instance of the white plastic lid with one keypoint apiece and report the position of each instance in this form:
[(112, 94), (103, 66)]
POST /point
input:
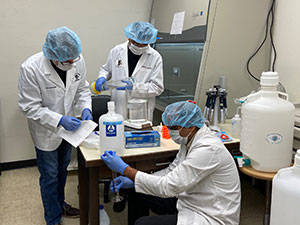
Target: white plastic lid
[(237, 116), (297, 158), (111, 104), (269, 79)]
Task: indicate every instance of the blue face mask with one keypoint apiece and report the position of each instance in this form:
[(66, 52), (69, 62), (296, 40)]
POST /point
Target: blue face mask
[(174, 134), (137, 50), (65, 66)]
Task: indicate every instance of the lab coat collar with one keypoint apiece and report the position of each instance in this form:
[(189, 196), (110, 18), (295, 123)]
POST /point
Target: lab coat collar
[(50, 72), (199, 133)]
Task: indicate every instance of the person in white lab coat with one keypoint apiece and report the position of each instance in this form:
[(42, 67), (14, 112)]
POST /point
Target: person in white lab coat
[(203, 176), (51, 82), (137, 60)]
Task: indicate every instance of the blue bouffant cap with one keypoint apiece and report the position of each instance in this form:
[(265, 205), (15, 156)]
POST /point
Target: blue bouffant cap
[(184, 114), (141, 32), (62, 44)]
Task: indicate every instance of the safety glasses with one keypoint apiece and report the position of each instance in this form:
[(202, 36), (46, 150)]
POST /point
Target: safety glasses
[(71, 61)]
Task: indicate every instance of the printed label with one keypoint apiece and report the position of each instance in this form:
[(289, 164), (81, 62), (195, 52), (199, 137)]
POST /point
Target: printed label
[(111, 128), (274, 138)]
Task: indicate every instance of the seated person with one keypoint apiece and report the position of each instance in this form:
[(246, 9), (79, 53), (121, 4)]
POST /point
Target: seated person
[(201, 186)]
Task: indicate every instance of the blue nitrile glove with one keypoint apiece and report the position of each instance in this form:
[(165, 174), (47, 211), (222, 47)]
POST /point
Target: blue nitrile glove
[(121, 182), (70, 123), (86, 114), (114, 162), (128, 85), (99, 83)]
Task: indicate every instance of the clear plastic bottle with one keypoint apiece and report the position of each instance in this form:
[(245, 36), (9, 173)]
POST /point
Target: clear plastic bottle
[(110, 84), (103, 217), (236, 126), (111, 127)]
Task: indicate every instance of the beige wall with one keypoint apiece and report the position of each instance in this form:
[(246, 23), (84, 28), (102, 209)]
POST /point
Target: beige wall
[(163, 12), (235, 30), (23, 28), (287, 43)]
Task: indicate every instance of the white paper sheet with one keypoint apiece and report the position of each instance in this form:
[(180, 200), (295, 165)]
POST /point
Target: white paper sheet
[(177, 24), (76, 137)]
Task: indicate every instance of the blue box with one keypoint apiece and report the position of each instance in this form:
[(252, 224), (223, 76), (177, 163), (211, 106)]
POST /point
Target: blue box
[(142, 139)]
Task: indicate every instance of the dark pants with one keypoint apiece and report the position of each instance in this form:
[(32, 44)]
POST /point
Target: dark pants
[(52, 166), (139, 205)]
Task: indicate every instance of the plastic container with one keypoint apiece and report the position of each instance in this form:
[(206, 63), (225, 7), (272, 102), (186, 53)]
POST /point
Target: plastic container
[(286, 195), (236, 126), (111, 126), (165, 132), (109, 85), (267, 127), (103, 217)]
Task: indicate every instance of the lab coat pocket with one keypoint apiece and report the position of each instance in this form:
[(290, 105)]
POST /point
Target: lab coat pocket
[(50, 95)]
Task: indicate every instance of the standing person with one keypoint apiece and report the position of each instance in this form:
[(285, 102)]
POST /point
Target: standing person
[(135, 59), (203, 178), (50, 83)]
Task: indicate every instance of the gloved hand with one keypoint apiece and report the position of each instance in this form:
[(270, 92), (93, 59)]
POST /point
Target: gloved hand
[(86, 114), (128, 85), (121, 182), (114, 162), (99, 83), (69, 123)]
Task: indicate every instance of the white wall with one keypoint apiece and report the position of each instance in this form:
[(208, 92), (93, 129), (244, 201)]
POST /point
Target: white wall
[(23, 28), (287, 42), (163, 12), (235, 30)]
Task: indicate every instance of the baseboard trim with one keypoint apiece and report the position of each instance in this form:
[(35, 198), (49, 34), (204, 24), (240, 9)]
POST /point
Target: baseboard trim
[(18, 164)]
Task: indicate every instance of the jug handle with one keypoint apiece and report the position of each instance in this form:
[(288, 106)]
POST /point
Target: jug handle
[(284, 96)]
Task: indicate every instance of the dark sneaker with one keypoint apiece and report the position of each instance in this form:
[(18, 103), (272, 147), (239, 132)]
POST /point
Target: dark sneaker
[(70, 212)]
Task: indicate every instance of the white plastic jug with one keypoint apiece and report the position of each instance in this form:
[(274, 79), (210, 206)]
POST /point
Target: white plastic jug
[(267, 127), (103, 217), (286, 195), (111, 127)]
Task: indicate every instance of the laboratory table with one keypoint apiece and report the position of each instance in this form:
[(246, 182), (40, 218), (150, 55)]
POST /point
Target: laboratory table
[(91, 168)]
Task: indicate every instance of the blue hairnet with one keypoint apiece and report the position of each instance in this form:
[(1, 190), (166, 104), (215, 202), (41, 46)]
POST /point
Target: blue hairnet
[(184, 114), (141, 32), (62, 44)]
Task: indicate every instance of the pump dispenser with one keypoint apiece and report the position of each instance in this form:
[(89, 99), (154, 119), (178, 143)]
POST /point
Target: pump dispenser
[(286, 195), (267, 127), (111, 126)]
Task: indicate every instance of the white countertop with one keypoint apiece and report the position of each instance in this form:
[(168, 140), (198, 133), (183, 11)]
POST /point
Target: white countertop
[(165, 145)]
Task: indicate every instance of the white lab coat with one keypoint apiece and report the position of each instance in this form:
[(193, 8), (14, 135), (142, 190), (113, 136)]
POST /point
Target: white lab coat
[(44, 99), (205, 180), (148, 77)]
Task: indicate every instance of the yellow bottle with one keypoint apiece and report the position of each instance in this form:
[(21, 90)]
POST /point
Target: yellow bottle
[(93, 88)]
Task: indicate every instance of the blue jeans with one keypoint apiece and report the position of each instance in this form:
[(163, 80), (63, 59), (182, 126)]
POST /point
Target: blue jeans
[(53, 175)]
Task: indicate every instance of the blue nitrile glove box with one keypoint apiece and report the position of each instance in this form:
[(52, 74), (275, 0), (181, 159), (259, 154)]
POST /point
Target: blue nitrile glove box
[(142, 139)]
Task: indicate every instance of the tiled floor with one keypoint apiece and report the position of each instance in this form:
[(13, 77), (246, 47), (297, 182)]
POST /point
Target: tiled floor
[(20, 201)]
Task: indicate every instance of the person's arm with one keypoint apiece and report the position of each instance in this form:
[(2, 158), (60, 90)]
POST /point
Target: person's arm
[(30, 100), (155, 86), (106, 69), (130, 173), (197, 166), (83, 94)]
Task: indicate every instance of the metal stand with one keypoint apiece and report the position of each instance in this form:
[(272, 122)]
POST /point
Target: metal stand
[(216, 102)]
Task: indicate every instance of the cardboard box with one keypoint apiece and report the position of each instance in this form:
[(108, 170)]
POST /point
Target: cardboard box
[(142, 139)]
